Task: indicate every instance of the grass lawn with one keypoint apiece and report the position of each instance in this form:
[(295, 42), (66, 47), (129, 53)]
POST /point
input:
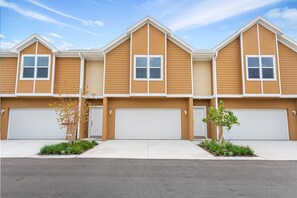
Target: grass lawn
[(225, 148), (66, 148)]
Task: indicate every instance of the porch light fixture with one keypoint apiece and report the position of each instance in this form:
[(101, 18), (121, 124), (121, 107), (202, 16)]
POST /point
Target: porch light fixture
[(2, 111), (185, 112), (294, 112), (110, 111)]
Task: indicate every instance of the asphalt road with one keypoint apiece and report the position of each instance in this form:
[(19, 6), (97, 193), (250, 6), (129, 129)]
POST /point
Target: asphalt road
[(114, 178)]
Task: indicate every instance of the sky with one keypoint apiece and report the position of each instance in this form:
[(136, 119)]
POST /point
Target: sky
[(91, 24)]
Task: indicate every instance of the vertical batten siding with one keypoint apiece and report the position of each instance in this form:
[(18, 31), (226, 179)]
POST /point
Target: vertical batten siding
[(202, 78), (268, 47), (67, 75), (94, 78), (288, 69), (117, 71), (8, 69), (178, 70), (229, 69)]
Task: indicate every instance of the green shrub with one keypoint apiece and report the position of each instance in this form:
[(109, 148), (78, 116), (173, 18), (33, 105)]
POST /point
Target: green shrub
[(66, 148), (226, 148)]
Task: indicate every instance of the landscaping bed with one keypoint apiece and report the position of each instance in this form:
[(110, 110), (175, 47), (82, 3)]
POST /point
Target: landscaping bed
[(226, 148), (66, 148)]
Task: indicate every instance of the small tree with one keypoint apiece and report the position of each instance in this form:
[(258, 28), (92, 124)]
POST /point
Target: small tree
[(70, 111), (221, 117)]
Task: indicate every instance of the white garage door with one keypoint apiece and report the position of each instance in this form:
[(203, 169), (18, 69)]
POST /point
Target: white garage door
[(148, 123), (260, 124), (34, 124)]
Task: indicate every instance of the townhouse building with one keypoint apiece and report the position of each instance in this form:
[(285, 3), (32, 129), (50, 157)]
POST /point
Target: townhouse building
[(149, 84)]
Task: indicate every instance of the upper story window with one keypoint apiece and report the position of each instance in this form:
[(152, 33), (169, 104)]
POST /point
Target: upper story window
[(35, 67), (261, 68), (148, 67)]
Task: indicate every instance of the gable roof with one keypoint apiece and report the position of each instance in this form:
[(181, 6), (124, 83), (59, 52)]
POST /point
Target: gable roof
[(259, 20), (139, 24), (30, 40)]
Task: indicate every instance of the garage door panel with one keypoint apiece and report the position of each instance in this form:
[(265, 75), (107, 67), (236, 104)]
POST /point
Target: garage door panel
[(34, 124), (148, 123), (260, 124)]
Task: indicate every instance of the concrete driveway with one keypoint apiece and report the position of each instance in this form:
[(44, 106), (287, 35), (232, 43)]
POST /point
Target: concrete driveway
[(148, 149), (23, 148), (272, 150)]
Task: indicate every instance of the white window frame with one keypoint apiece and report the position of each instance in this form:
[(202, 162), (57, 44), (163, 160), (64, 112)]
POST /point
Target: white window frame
[(148, 68), (260, 68), (35, 66)]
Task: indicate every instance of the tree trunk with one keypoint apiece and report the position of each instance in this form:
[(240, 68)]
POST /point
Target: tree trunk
[(222, 133)]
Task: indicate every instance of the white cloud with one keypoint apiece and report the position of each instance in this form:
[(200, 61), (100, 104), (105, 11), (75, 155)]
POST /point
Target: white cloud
[(8, 44), (40, 17), (49, 39), (186, 37), (55, 35), (2, 36), (186, 14), (65, 45), (285, 16), (92, 23)]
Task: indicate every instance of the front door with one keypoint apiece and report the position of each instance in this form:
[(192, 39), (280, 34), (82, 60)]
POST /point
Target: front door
[(95, 122), (200, 129)]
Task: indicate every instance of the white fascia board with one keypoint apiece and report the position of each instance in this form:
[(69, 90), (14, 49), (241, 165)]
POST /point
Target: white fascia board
[(30, 40), (8, 54), (115, 43), (148, 19), (181, 43), (203, 97), (259, 20), (288, 42)]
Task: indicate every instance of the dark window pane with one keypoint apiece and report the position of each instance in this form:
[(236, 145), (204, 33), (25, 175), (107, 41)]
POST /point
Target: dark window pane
[(254, 73), (29, 61), (253, 62), (28, 73), (155, 73), (141, 73), (267, 62), (267, 73), (42, 61), (42, 72), (155, 62), (141, 62)]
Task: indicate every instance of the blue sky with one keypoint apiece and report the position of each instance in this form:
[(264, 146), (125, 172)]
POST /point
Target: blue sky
[(87, 24)]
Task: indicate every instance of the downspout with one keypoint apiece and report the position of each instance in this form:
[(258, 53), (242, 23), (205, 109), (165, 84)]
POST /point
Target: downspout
[(215, 86), (81, 86)]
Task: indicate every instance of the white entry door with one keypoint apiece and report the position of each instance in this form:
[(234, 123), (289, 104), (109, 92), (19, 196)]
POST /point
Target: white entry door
[(261, 124), (34, 124), (148, 123), (95, 122), (200, 128)]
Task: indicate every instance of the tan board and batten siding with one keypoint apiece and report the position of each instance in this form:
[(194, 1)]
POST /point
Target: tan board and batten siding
[(44, 86), (139, 47), (67, 78), (157, 47), (25, 86), (94, 78), (250, 47), (229, 69), (178, 70), (117, 69), (8, 72), (268, 47), (288, 69), (202, 78)]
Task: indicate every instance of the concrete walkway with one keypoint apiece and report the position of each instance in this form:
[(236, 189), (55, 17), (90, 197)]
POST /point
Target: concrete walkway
[(272, 150), (23, 148), (148, 149)]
